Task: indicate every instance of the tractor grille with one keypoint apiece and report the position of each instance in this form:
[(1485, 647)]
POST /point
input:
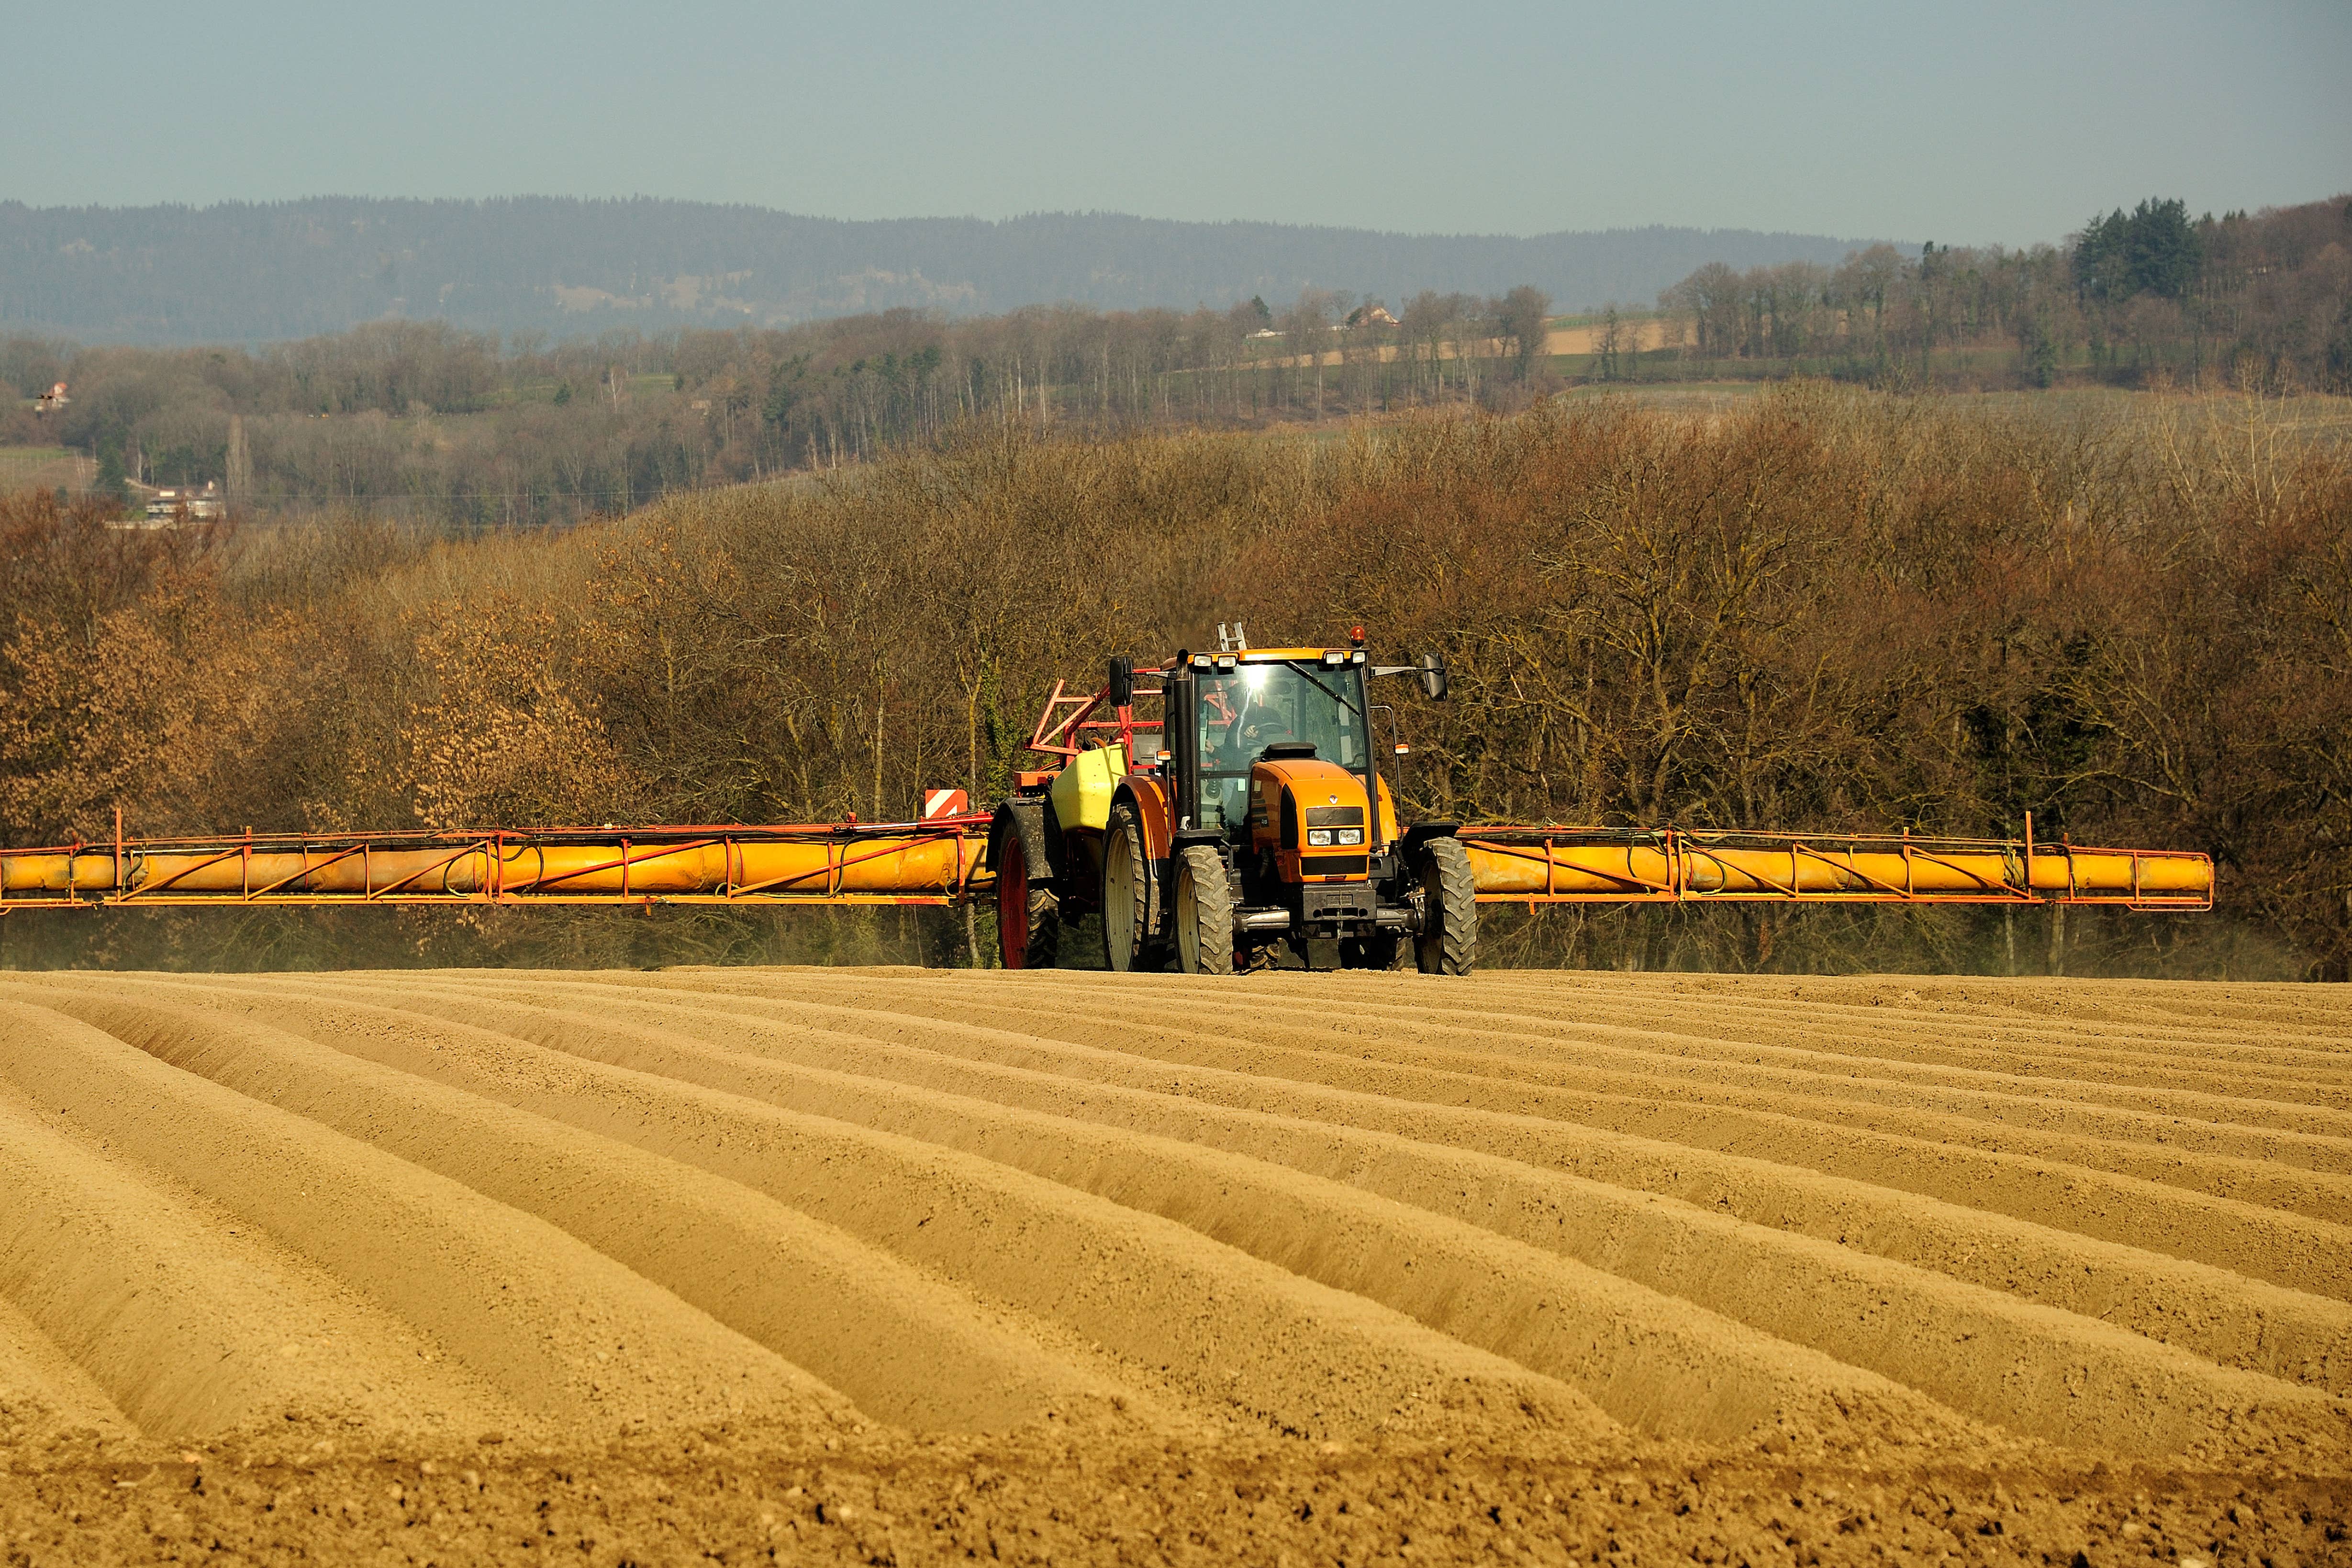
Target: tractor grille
[(1334, 865)]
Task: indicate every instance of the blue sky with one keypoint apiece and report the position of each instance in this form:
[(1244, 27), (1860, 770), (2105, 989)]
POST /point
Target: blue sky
[(1996, 121)]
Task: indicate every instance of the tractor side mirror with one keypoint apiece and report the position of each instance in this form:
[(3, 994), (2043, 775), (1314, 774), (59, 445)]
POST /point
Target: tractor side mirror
[(1122, 681), (1432, 677)]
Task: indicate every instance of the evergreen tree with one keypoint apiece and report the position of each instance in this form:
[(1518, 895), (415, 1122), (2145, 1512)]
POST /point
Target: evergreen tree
[(2152, 249), (113, 479)]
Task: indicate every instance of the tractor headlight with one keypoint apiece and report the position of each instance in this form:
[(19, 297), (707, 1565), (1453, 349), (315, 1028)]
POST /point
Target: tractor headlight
[(1320, 838), (1350, 836)]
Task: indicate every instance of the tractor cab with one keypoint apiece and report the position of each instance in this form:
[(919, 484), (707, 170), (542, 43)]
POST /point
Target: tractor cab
[(1245, 727)]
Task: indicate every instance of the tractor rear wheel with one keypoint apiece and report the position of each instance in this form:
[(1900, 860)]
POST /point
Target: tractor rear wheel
[(1448, 944), (1028, 917), (1203, 916), (1130, 901)]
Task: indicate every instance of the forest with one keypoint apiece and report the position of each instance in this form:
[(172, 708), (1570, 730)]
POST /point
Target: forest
[(2259, 301), (1828, 608), (465, 430), (424, 421)]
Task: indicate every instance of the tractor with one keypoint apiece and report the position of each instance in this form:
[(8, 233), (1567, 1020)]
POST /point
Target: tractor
[(1246, 826)]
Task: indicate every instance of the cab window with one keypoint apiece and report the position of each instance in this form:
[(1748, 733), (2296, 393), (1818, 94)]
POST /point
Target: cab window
[(1244, 711)]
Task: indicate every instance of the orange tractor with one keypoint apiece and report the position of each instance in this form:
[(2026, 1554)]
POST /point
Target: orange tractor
[(1242, 823), (1249, 817)]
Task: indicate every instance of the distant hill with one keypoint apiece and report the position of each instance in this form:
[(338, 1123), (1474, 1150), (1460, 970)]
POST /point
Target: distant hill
[(247, 273)]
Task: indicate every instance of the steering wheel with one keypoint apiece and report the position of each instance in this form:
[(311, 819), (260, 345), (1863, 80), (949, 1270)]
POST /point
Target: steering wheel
[(1269, 731)]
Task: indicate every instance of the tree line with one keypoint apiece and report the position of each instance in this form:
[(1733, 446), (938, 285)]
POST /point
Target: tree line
[(424, 419), (1832, 610), (2261, 301)]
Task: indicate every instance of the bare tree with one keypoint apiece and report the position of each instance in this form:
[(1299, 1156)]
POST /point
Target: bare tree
[(1306, 328), (1711, 298), (1608, 343), (1521, 315)]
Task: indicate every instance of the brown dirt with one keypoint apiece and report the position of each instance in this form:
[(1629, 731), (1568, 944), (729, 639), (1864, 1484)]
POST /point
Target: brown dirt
[(896, 1265)]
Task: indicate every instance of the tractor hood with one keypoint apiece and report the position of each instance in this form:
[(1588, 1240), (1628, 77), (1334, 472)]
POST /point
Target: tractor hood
[(1294, 801)]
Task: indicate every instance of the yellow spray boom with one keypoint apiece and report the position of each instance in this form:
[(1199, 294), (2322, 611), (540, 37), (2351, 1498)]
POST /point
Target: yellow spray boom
[(943, 860), (1591, 865), (931, 861)]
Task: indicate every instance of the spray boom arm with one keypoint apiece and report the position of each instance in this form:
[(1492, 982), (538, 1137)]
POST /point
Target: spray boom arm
[(935, 861), (1640, 865)]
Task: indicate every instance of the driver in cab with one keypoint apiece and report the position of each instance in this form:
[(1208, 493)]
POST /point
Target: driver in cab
[(1262, 725), (1234, 738)]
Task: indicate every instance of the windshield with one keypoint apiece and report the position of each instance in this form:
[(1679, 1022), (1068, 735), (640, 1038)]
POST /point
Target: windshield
[(1246, 710)]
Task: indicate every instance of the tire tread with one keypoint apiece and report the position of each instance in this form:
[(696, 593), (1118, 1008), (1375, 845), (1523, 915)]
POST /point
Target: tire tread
[(1146, 891), (1449, 891), (1212, 906)]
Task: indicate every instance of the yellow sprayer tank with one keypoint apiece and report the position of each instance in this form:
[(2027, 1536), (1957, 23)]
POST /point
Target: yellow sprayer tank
[(1081, 792)]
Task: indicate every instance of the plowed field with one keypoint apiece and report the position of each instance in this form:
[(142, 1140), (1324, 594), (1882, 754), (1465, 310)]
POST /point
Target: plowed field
[(901, 1265)]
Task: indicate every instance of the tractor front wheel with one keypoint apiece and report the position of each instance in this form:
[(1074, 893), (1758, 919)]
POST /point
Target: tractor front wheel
[(1448, 944), (1204, 913)]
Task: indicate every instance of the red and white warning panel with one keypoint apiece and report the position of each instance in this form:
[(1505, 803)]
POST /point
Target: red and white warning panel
[(945, 803)]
